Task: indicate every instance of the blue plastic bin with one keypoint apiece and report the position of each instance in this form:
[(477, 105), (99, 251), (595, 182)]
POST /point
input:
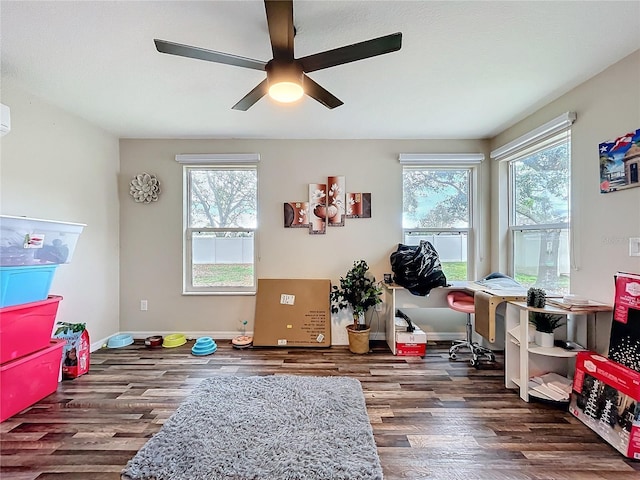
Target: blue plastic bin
[(20, 285)]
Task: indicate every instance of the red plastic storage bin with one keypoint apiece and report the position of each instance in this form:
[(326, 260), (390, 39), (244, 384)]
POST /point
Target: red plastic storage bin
[(29, 379), (26, 328)]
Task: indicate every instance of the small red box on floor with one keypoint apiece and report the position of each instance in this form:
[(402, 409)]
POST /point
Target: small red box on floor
[(411, 343), (29, 379), (409, 349), (606, 399), (26, 328)]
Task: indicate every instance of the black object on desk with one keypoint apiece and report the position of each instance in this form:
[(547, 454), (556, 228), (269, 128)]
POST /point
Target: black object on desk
[(567, 345), (401, 314)]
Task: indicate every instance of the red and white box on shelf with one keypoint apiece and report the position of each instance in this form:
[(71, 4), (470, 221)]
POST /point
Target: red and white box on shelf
[(606, 398), (411, 343)]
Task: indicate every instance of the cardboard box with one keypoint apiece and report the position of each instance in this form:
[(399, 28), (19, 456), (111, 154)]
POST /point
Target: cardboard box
[(624, 341), (605, 398), (411, 343), (292, 313)]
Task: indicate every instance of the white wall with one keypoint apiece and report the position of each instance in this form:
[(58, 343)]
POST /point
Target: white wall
[(151, 234), (58, 167), (607, 107)]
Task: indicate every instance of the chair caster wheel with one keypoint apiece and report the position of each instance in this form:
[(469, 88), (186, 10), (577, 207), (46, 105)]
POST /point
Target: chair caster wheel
[(473, 362), (452, 356)]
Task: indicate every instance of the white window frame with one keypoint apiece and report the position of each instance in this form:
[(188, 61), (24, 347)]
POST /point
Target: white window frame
[(553, 133), (192, 162), (450, 161)]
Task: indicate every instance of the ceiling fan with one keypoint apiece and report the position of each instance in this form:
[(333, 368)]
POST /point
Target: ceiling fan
[(286, 76)]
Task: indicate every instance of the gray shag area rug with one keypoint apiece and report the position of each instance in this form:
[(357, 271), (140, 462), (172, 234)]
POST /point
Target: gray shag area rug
[(267, 428)]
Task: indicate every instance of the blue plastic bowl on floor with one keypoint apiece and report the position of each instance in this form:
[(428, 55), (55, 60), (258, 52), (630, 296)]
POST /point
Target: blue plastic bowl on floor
[(118, 341), (204, 346)]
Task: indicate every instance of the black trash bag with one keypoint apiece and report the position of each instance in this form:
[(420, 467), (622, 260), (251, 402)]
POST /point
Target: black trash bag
[(417, 268)]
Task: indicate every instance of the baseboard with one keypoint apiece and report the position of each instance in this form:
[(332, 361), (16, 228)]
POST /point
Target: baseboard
[(444, 336), (431, 336), (102, 343), (228, 335)]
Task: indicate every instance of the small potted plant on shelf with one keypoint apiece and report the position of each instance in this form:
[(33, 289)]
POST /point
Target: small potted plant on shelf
[(359, 290), (544, 323)]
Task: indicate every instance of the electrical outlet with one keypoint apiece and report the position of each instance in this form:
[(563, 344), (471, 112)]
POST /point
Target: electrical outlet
[(143, 305), (634, 246)]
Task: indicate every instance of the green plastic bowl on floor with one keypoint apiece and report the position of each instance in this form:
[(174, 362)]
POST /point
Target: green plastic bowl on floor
[(174, 340)]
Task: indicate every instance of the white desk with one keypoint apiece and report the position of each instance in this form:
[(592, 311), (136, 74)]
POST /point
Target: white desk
[(487, 300)]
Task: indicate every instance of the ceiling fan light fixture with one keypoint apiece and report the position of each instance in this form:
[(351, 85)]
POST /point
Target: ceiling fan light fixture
[(286, 92), (286, 75), (285, 81)]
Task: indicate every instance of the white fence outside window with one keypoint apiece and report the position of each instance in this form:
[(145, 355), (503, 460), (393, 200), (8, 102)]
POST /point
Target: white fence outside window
[(221, 250), (450, 248)]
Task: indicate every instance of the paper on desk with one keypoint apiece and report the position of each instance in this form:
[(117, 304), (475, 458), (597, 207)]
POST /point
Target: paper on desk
[(504, 289), (568, 305), (507, 292), (501, 283)]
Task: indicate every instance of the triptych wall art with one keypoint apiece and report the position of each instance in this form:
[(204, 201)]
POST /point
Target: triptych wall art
[(620, 163), (328, 204)]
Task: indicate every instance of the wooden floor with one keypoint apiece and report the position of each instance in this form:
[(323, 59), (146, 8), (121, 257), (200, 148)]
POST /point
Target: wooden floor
[(432, 418)]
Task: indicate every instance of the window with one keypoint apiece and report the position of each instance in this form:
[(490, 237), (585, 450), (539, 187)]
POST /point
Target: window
[(539, 216), (437, 199), (220, 221), (539, 211)]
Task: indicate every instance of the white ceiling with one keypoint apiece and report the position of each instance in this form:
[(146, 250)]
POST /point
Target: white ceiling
[(466, 69)]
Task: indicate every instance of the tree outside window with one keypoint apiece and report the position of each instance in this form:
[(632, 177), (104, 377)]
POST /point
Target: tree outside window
[(436, 208), (540, 213), (222, 220)]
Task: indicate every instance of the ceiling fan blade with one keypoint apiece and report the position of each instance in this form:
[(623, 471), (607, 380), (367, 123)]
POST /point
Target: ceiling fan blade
[(208, 55), (281, 32), (252, 97), (318, 93), (352, 53)]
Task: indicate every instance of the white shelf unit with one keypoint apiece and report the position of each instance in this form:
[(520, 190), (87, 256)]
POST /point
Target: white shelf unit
[(525, 359)]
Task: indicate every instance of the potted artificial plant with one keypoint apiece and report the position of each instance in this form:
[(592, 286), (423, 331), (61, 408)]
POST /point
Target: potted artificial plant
[(358, 289), (544, 323)]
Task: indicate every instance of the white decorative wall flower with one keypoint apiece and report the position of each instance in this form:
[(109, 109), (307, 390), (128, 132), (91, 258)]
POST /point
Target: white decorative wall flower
[(144, 188)]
